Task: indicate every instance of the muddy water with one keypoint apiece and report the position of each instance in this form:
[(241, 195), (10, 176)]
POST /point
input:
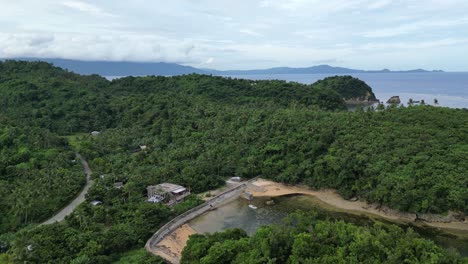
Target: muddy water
[(238, 214)]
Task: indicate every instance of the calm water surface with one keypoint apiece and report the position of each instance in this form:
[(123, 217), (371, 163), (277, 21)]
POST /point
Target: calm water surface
[(238, 214), (450, 89)]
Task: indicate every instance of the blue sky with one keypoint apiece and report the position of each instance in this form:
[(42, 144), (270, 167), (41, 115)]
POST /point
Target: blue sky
[(242, 34)]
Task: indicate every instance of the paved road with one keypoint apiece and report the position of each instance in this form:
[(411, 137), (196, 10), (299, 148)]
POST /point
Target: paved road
[(78, 200)]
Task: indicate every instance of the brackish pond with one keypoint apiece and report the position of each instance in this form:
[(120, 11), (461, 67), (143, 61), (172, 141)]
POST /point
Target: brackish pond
[(238, 214)]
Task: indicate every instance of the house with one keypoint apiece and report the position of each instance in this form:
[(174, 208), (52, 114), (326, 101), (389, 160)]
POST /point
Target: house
[(95, 133), (235, 179), (143, 147), (96, 202), (118, 185), (167, 193)]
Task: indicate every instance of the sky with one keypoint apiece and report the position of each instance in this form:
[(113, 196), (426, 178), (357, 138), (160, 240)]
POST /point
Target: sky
[(242, 34)]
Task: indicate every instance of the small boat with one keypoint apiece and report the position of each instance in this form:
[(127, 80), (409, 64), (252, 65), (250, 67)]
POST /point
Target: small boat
[(253, 206)]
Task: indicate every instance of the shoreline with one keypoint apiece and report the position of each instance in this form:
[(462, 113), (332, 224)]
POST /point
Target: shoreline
[(170, 248), (333, 201)]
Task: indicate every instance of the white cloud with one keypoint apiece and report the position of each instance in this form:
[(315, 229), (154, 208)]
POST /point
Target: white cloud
[(413, 45), (241, 33), (96, 47), (85, 7), (379, 4), (250, 32), (414, 27)]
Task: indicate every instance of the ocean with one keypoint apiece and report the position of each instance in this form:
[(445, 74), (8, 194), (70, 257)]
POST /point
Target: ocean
[(450, 89)]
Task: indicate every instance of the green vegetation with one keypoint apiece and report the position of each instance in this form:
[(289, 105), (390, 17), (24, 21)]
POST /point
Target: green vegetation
[(37, 175), (199, 130), (348, 87), (304, 239), (139, 256)]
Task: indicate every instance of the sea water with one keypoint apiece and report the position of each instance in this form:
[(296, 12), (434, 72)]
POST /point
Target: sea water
[(450, 89)]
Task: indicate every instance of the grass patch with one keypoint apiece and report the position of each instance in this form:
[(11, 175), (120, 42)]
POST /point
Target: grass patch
[(5, 259), (139, 256), (74, 140)]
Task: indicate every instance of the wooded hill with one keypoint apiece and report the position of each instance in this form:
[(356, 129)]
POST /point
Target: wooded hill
[(199, 130)]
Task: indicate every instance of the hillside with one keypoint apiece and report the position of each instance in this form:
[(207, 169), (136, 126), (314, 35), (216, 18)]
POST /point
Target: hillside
[(353, 90), (199, 130)]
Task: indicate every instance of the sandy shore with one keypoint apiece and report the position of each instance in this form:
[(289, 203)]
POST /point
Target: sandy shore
[(332, 200), (170, 248)]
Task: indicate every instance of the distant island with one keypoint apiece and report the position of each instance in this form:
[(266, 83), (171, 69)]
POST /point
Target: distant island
[(122, 68), (320, 69)]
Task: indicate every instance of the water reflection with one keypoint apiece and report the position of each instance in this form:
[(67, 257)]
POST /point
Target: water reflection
[(238, 214)]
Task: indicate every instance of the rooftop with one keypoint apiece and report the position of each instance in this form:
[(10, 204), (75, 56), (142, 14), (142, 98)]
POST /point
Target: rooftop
[(168, 187)]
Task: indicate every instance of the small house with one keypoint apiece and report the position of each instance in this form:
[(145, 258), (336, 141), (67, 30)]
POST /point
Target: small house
[(235, 179), (167, 193), (95, 133), (118, 185), (96, 202)]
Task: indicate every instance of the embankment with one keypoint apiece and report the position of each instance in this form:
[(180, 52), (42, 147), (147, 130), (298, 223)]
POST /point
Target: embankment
[(218, 200)]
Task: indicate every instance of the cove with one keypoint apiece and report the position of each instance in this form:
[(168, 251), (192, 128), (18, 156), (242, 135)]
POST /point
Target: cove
[(238, 214)]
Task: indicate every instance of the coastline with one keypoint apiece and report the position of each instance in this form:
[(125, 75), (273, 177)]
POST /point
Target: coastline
[(170, 248), (330, 199), (172, 245)]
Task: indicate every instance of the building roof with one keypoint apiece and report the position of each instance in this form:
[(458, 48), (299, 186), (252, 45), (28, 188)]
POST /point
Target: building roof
[(166, 187), (96, 202), (180, 190)]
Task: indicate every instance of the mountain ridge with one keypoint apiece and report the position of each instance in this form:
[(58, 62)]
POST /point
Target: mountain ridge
[(127, 68)]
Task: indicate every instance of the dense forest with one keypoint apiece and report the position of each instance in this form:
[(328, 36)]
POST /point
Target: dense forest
[(38, 174), (304, 239), (199, 130), (351, 89)]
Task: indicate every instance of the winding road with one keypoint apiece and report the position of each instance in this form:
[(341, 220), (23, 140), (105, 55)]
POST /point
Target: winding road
[(78, 200)]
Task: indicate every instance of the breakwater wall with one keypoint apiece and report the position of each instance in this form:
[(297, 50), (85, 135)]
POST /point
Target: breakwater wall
[(218, 200)]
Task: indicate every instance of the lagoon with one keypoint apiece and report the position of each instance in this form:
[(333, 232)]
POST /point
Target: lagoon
[(238, 214)]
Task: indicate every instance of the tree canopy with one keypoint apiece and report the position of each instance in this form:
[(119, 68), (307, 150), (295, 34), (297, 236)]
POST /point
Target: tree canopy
[(198, 131)]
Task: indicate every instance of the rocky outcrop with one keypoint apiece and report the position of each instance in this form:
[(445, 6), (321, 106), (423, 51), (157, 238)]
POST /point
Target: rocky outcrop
[(435, 218), (394, 100)]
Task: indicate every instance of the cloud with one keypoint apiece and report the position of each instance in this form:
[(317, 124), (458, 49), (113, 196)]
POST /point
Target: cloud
[(128, 47), (379, 4), (250, 32), (415, 27), (85, 7), (414, 45), (40, 40), (209, 60), (242, 33)]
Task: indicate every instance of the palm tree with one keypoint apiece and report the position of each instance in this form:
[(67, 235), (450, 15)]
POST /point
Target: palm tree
[(410, 102), (436, 102)]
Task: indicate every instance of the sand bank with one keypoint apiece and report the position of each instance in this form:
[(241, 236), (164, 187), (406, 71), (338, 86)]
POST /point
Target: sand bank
[(170, 248), (333, 201)]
